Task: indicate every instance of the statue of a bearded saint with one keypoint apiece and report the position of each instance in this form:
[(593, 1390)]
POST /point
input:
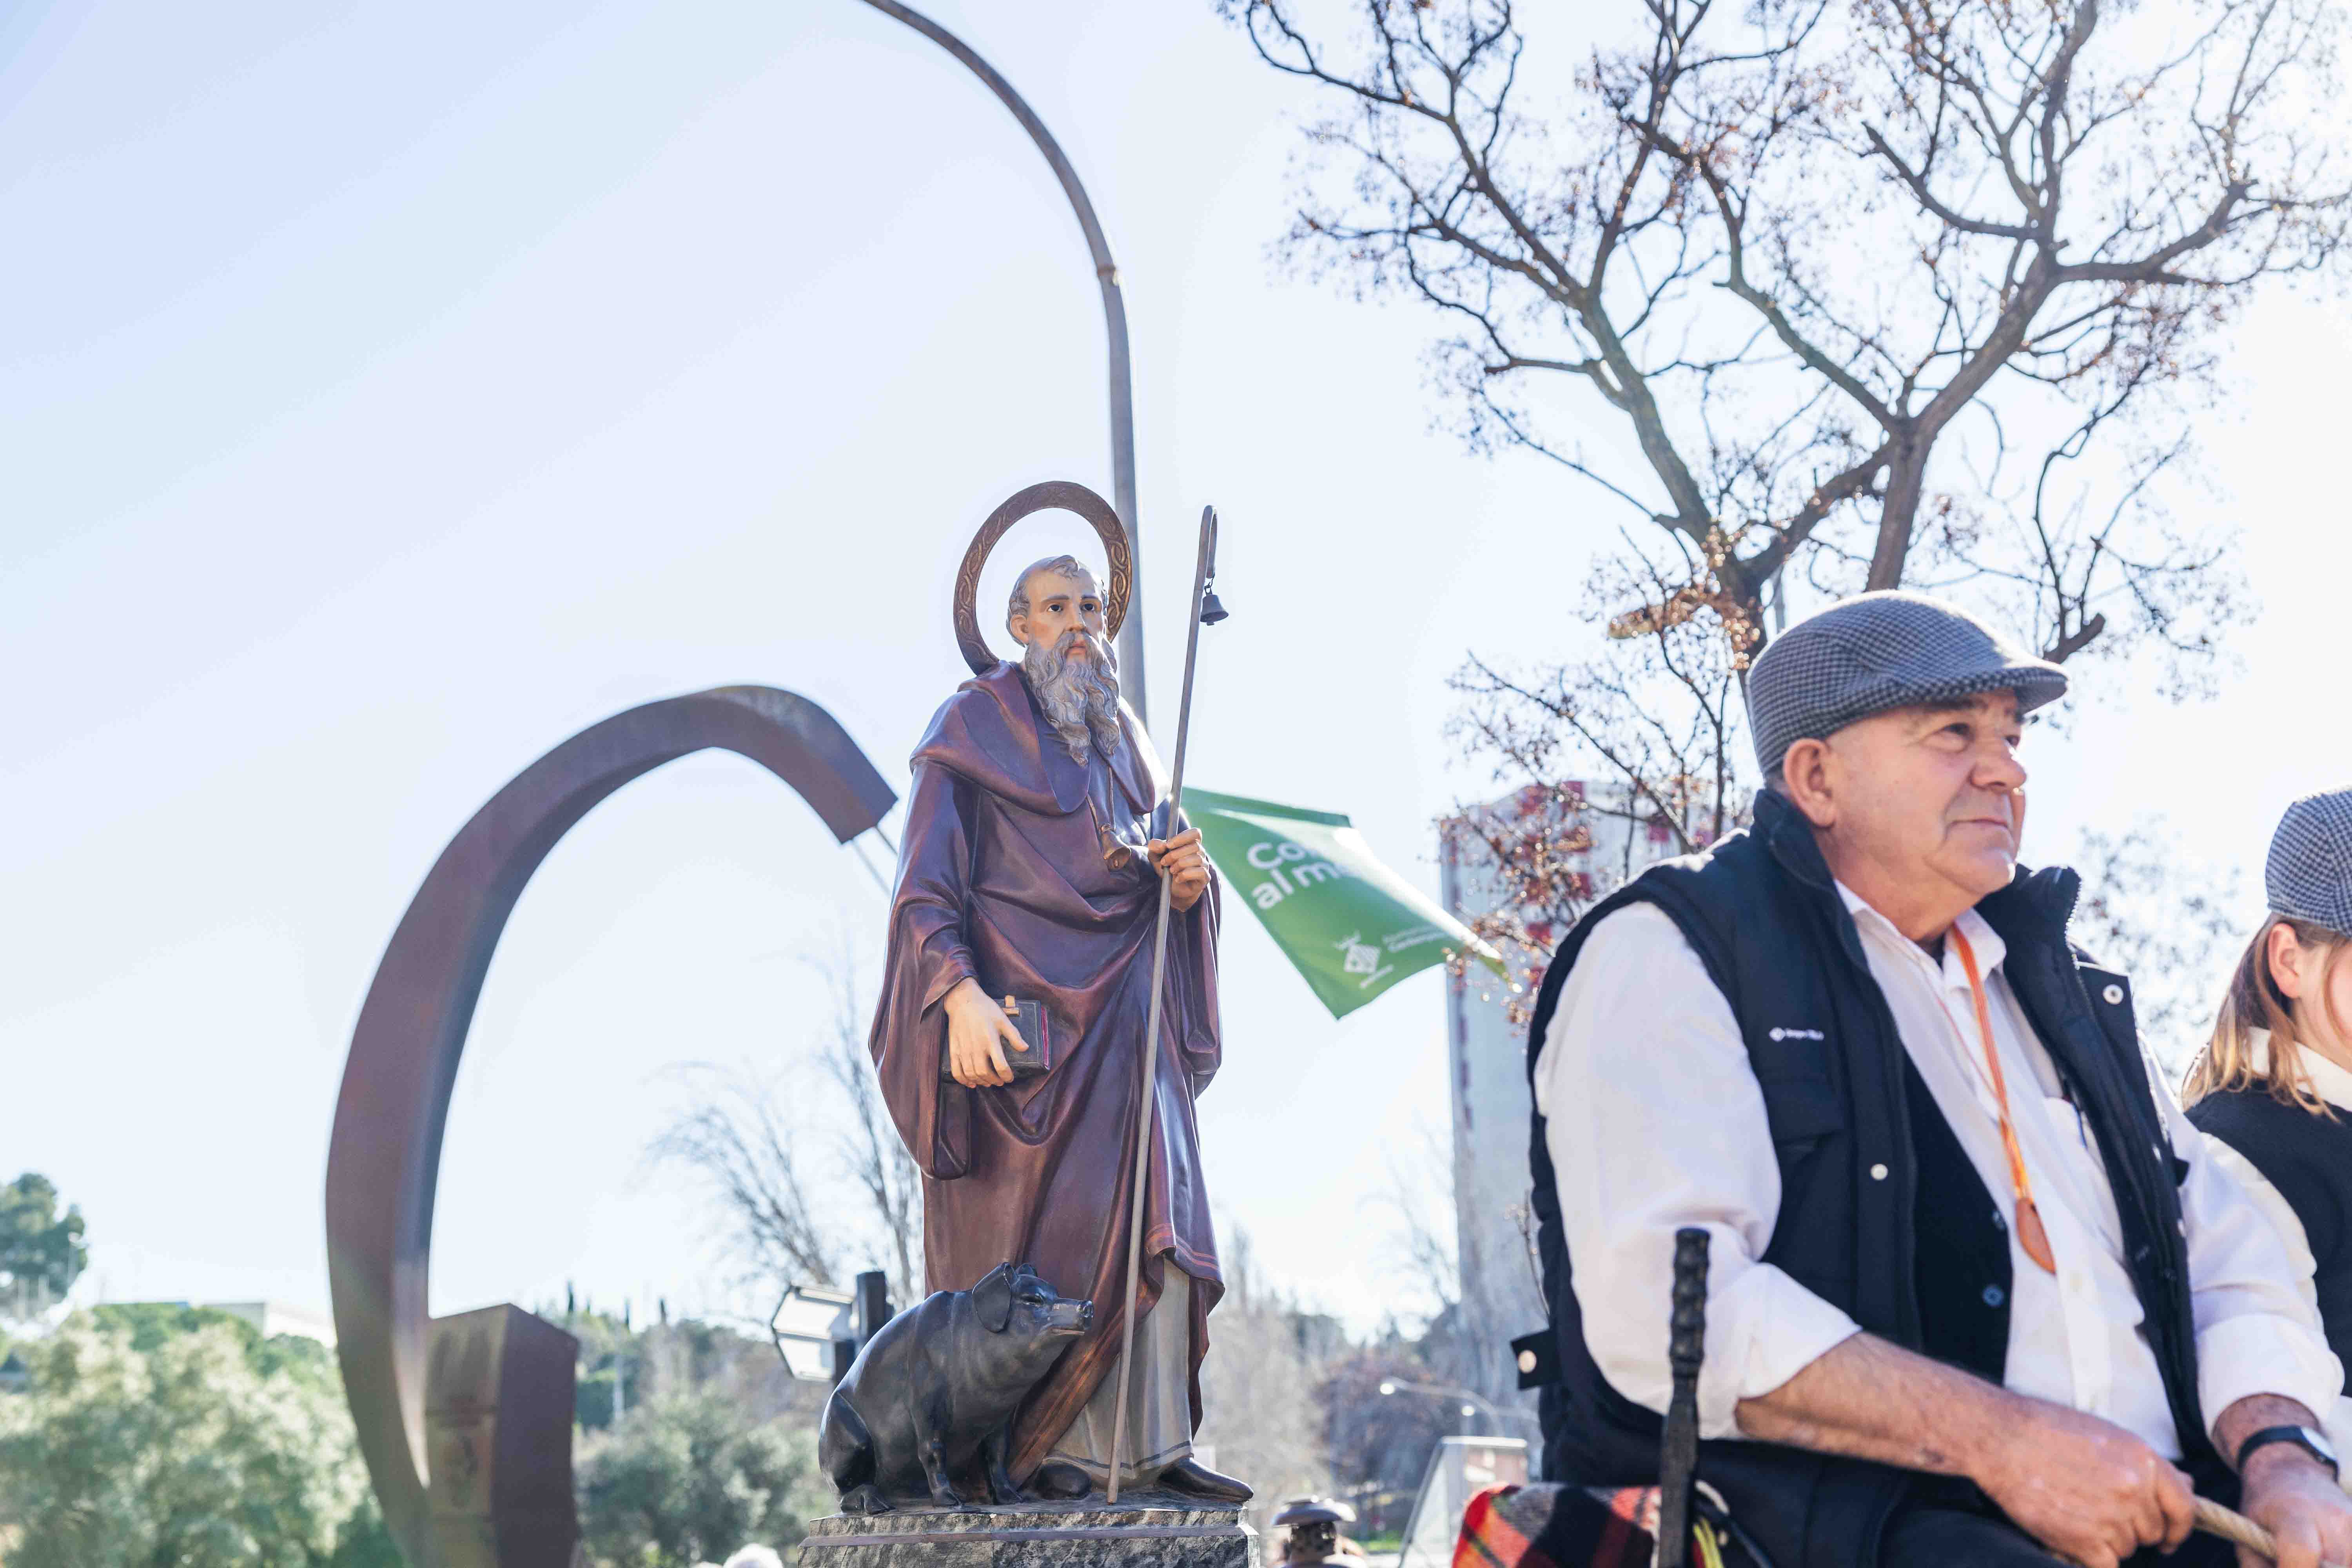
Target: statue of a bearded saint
[(1028, 871)]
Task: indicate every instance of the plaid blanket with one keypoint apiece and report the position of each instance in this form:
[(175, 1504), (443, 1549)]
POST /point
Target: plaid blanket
[(1547, 1526)]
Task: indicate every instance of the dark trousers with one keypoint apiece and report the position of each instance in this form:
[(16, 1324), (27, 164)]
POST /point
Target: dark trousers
[(1946, 1534)]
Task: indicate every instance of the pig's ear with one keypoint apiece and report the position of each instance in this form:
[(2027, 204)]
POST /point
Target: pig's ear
[(991, 1299)]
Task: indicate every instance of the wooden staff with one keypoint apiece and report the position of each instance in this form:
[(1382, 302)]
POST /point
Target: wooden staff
[(1204, 609), (2237, 1529)]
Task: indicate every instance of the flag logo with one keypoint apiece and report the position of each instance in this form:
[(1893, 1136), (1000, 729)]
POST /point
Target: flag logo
[(1352, 927)]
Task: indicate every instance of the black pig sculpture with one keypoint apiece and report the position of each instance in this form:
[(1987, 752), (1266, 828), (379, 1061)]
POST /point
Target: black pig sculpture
[(938, 1387)]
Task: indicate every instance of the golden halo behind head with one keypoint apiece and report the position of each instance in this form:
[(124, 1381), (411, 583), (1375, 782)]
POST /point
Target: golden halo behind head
[(1051, 496)]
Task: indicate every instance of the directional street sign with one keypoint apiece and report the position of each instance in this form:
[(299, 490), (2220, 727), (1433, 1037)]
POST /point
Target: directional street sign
[(810, 1323)]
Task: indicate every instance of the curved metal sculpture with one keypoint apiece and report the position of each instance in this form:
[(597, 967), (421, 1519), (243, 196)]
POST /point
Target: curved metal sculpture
[(1054, 495), (383, 1164)]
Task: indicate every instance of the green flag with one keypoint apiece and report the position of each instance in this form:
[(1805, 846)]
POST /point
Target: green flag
[(1353, 927)]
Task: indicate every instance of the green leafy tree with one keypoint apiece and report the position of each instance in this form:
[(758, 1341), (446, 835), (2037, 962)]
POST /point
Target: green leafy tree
[(41, 1252), (691, 1476), (180, 1438), (154, 1324)]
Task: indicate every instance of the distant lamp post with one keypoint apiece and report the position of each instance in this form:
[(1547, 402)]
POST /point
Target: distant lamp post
[(1474, 1403), (1122, 396)]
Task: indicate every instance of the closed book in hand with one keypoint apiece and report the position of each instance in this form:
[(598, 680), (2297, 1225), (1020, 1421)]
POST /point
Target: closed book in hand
[(1034, 1056)]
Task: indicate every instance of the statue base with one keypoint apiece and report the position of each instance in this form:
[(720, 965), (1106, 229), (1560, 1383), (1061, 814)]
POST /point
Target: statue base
[(1147, 1530)]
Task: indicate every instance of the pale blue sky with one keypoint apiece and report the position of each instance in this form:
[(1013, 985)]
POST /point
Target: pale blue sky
[(393, 390)]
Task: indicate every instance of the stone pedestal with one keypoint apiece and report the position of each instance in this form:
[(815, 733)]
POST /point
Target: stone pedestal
[(1147, 1530)]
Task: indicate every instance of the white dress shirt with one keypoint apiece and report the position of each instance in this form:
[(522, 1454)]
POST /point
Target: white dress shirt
[(1654, 1121), (2333, 1085)]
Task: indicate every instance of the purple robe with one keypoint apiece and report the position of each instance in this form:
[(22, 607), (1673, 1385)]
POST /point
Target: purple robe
[(1007, 875)]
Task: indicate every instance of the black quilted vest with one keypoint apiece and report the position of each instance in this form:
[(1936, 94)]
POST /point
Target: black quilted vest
[(2308, 1158), (1914, 1255)]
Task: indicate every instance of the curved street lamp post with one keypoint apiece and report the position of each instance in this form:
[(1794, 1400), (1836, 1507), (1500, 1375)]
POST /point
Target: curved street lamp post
[(1122, 399)]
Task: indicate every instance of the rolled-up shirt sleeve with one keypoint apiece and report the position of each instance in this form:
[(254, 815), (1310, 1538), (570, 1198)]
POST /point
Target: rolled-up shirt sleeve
[(2257, 1329), (1655, 1122)]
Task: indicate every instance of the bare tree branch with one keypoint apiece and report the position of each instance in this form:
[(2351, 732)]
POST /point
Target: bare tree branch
[(746, 1136), (2044, 214), (736, 1139)]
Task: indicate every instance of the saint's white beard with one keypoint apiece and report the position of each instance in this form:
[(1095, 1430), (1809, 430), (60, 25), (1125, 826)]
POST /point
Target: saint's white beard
[(1080, 696)]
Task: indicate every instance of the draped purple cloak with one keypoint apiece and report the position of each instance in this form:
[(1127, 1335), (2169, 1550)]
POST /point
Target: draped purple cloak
[(1005, 875)]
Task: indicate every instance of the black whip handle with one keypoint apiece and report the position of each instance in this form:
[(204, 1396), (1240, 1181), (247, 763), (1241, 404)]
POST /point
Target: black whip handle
[(1685, 1351)]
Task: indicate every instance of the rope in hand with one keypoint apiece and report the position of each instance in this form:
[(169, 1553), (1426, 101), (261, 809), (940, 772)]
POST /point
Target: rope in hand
[(2236, 1529)]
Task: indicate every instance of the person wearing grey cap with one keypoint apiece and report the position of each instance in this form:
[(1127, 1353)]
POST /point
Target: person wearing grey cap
[(2274, 1082), (1978, 1293)]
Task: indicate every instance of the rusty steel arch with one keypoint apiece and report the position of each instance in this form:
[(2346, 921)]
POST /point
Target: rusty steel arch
[(383, 1164)]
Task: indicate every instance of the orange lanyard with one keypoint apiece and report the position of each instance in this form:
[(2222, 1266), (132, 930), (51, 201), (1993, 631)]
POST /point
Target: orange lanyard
[(2030, 1234)]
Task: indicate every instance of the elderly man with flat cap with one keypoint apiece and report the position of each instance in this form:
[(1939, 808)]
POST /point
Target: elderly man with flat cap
[(1978, 1293)]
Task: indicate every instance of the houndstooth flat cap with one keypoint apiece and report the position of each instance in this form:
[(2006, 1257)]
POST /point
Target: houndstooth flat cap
[(1876, 651), (2309, 872)]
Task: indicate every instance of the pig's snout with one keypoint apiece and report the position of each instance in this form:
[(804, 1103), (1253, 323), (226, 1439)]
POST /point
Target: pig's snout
[(1069, 1317)]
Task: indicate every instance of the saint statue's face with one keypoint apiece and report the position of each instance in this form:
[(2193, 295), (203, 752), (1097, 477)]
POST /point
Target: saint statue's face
[(1065, 656), (1057, 607)]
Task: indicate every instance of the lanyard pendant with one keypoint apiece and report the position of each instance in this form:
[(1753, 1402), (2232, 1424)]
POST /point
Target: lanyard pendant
[(2032, 1237)]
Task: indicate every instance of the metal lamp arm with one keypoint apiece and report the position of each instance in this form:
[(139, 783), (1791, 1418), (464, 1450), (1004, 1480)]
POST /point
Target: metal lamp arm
[(1114, 304)]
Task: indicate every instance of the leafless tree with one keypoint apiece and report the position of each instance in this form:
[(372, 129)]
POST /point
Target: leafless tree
[(1257, 1390), (738, 1136), (746, 1134), (1469, 1303), (1819, 296), (1418, 1248), (869, 1147), (1653, 725), (1788, 249), (2173, 925), (1380, 1442)]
